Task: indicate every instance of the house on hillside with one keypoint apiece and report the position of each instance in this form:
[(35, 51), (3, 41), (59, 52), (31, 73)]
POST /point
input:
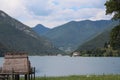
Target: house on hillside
[(16, 64), (76, 54)]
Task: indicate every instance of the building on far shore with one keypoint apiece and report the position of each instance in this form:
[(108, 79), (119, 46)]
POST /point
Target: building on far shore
[(76, 54)]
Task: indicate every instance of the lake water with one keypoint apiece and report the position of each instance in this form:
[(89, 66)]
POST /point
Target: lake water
[(65, 65)]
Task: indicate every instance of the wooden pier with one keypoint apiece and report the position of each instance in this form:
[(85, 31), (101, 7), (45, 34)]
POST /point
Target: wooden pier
[(15, 65)]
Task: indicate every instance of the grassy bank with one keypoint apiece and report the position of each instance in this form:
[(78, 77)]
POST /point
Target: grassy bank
[(92, 77)]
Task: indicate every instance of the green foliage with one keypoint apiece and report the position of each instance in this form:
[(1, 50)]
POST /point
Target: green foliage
[(100, 52), (113, 6), (93, 52), (115, 38)]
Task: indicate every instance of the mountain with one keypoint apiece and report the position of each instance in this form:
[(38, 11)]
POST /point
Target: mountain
[(97, 42), (40, 29), (19, 37), (73, 34), (100, 40)]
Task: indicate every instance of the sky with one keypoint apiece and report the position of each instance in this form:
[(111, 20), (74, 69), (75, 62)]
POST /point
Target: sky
[(52, 13)]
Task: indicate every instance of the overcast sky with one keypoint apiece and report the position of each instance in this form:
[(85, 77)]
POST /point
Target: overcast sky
[(52, 13)]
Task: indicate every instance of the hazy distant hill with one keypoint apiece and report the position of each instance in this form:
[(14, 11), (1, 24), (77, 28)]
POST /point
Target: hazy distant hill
[(99, 40), (70, 35), (19, 37), (40, 29)]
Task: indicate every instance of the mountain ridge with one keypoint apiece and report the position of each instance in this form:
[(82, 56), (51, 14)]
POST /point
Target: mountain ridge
[(18, 37), (72, 34), (98, 41)]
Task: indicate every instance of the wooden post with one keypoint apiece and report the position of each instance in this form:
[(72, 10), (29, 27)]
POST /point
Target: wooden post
[(31, 76), (7, 77), (34, 73), (0, 69), (28, 76), (12, 74), (25, 77), (17, 77)]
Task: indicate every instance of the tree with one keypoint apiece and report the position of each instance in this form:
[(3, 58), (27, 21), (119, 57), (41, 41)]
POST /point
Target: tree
[(113, 6), (115, 38)]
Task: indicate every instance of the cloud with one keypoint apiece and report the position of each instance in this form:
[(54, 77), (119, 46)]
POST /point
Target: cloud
[(80, 3), (39, 7), (52, 13), (12, 7), (16, 9)]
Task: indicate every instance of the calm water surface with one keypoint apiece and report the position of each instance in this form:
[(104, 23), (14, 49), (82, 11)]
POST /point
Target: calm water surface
[(65, 65)]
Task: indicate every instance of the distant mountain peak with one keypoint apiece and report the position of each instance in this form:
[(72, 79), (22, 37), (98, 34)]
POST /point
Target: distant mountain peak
[(40, 25), (40, 29), (2, 14), (72, 21)]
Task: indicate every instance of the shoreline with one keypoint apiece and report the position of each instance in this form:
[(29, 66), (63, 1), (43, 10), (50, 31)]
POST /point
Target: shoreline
[(82, 77)]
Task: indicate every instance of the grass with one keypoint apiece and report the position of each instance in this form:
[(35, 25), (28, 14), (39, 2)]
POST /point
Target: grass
[(92, 77)]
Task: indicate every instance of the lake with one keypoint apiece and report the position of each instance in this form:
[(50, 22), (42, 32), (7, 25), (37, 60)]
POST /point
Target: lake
[(65, 65)]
